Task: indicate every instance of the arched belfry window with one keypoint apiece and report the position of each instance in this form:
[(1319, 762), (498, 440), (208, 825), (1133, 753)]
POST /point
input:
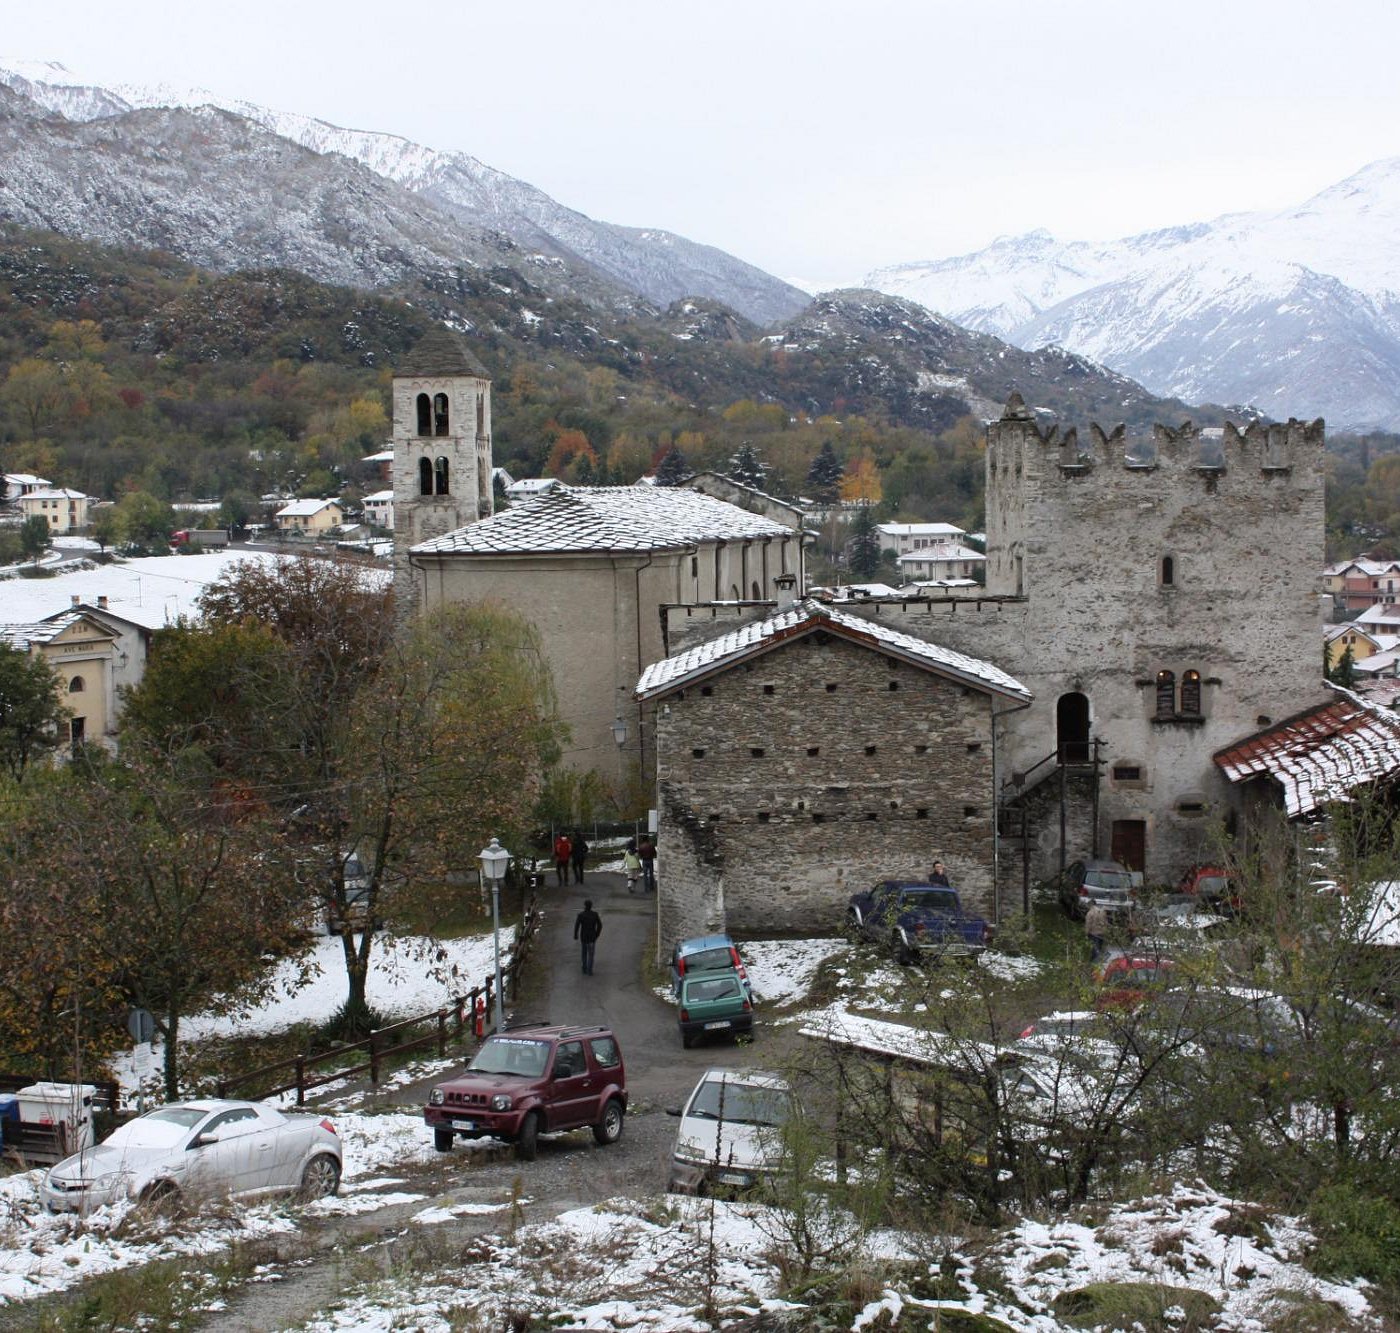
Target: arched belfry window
[(76, 686), (1168, 571), (440, 477), (440, 414), (425, 477), (1072, 727), (1166, 693), (481, 414), (1191, 693), (425, 415)]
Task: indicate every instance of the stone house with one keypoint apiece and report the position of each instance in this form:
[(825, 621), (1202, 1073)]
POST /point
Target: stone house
[(64, 510), (805, 755), (310, 516)]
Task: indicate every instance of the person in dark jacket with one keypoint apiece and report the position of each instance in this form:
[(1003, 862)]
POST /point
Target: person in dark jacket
[(938, 875), (646, 851), (588, 925), (578, 851)]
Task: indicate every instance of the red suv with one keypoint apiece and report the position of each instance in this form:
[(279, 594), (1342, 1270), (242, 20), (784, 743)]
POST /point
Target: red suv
[(534, 1080)]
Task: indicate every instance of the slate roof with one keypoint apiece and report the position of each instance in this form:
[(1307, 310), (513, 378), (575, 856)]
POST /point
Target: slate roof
[(304, 508), (707, 659), (605, 518), (43, 631), (1320, 755), (438, 354)]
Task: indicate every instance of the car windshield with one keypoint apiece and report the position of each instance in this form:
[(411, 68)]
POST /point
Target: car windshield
[(511, 1055), (711, 988), (740, 1103), (159, 1129), (1108, 879), (707, 960), (937, 900)]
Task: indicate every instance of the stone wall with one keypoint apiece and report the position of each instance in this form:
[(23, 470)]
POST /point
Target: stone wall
[(792, 781)]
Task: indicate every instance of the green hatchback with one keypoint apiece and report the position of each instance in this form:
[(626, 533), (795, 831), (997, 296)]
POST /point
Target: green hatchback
[(714, 1002)]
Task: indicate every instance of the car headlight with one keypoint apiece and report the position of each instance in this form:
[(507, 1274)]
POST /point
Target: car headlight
[(500, 1102), (435, 1097), (111, 1180)]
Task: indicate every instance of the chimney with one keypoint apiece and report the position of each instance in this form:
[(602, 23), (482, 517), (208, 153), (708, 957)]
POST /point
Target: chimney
[(102, 602), (74, 599), (786, 584)]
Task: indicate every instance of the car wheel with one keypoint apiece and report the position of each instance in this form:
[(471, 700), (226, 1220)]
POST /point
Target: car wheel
[(687, 1039), (527, 1142), (442, 1140), (902, 953), (160, 1197), (609, 1128), (321, 1177)]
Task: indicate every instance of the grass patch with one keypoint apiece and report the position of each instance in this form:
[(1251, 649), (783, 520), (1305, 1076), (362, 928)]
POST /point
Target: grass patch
[(171, 1294), (1358, 1235), (1151, 1307)]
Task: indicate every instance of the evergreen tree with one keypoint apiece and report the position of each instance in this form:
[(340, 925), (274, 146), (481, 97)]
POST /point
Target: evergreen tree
[(1344, 673), (35, 536), (673, 469), (864, 547), (747, 468), (825, 474)]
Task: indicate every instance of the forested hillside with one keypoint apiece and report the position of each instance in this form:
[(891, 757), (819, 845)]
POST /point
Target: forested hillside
[(122, 370)]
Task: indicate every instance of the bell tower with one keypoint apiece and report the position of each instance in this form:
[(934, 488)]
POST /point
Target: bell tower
[(442, 447)]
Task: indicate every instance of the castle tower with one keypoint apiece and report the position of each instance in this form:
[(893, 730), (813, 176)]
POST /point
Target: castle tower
[(442, 447)]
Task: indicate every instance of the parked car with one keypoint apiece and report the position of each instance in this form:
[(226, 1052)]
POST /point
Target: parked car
[(533, 1080), (1126, 977), (917, 921), (196, 1148), (731, 1132), (1212, 886), (706, 953), (1104, 883), (713, 1002), (1083, 1037)]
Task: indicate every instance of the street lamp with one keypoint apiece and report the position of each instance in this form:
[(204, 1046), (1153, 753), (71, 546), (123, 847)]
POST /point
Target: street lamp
[(494, 860), (619, 731)]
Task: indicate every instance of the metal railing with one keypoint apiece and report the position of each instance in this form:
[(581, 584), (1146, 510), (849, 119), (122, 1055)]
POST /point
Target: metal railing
[(436, 1028)]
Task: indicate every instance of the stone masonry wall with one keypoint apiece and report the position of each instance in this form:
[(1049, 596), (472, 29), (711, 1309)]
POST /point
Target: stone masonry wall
[(790, 782)]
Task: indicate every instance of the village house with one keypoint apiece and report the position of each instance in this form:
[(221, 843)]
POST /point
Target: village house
[(82, 652), (379, 509), (905, 538), (1351, 636), (310, 517), (944, 561), (802, 757), (15, 484), (64, 510), (1355, 585)]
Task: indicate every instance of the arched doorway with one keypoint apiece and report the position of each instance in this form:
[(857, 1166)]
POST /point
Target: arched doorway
[(1072, 728)]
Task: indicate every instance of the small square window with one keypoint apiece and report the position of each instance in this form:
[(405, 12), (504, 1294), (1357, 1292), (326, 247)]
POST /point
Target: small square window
[(768, 689), (1127, 773), (763, 816), (921, 814), (813, 751), (697, 754), (871, 815), (706, 691), (921, 749), (970, 812), (714, 819), (869, 749), (973, 746), (755, 752), (830, 688), (894, 684), (819, 819)]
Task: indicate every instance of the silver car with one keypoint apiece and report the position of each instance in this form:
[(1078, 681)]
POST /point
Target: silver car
[(197, 1149), (731, 1131)]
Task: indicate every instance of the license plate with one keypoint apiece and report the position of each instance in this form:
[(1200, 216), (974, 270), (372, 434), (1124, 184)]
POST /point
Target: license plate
[(714, 1027), (732, 1178), (464, 1124)]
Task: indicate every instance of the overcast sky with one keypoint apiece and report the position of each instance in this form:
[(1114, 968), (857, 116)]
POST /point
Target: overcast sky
[(817, 140)]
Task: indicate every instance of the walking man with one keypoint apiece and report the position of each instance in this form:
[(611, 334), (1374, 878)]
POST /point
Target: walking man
[(562, 851), (578, 852), (588, 925), (1095, 927), (646, 853)]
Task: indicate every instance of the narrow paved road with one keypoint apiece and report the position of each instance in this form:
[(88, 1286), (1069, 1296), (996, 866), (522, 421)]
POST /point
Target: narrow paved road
[(572, 1171)]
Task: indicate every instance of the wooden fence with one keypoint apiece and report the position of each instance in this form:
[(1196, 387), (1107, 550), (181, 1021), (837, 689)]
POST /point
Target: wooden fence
[(302, 1073)]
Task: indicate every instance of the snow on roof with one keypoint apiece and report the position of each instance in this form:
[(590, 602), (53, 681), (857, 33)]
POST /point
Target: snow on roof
[(1320, 755), (26, 479), (383, 456), (1383, 613), (532, 486), (845, 592), (153, 591), (304, 508), (919, 530), (719, 654), (1377, 662), (880, 1037), (378, 498), (606, 518), (943, 551), (42, 631), (54, 493)]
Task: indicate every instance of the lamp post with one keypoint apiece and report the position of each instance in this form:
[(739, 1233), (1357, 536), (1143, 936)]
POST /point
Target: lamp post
[(494, 860)]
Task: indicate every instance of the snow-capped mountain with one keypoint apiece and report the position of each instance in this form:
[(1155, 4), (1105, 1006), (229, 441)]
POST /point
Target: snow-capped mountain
[(655, 265), (1296, 311)]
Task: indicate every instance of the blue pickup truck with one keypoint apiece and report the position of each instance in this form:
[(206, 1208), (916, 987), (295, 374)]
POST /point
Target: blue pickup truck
[(917, 920)]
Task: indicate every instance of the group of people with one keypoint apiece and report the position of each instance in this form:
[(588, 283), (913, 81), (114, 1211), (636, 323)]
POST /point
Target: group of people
[(638, 860)]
